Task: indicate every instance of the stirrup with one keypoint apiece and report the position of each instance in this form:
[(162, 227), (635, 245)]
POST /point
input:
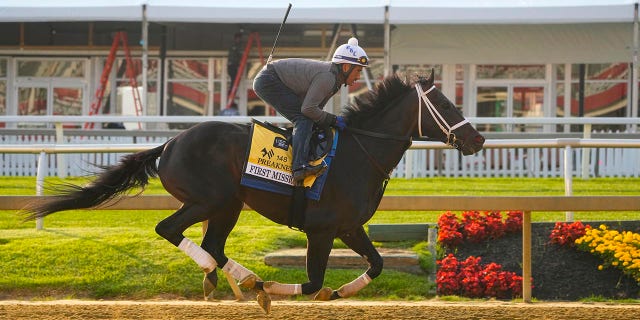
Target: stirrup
[(301, 173)]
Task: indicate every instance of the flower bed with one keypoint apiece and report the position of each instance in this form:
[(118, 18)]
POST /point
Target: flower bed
[(559, 272), (470, 278), (620, 250)]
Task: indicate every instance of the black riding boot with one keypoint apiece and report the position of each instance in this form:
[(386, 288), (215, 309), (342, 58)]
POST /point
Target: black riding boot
[(301, 168)]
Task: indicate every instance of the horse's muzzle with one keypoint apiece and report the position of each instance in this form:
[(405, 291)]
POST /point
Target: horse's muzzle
[(472, 144)]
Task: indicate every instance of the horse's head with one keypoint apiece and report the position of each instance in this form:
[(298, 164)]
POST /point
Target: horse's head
[(438, 118)]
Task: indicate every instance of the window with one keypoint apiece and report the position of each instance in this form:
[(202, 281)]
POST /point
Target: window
[(187, 86), (486, 71), (412, 71), (50, 86), (57, 68), (510, 91), (3, 88), (125, 103), (605, 92)]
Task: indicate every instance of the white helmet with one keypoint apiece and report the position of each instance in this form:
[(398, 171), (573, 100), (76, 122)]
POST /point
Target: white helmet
[(351, 53)]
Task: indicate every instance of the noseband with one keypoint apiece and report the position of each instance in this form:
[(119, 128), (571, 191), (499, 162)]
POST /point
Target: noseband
[(437, 117)]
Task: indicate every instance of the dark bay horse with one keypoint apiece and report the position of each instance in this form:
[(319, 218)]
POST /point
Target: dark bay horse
[(201, 167)]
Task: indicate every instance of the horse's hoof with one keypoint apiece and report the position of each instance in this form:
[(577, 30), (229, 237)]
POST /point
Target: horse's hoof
[(249, 281), (324, 294), (209, 283), (264, 300)]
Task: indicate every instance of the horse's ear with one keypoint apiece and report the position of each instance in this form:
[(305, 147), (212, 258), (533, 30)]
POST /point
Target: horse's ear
[(432, 77)]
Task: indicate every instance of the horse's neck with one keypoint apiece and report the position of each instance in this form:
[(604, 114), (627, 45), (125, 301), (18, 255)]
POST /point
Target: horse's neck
[(393, 129), (399, 120)]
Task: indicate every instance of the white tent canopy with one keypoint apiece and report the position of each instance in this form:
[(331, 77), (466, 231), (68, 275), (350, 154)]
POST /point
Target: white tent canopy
[(323, 11), (70, 10), (510, 11), (260, 11), (500, 44), (461, 31)]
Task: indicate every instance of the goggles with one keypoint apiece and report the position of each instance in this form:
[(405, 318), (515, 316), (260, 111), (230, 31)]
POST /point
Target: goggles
[(362, 60)]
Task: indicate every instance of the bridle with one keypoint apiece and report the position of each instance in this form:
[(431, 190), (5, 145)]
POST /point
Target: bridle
[(437, 117), (435, 114)]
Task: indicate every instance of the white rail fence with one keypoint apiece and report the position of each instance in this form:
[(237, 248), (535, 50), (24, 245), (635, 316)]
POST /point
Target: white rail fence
[(500, 158), (526, 158)]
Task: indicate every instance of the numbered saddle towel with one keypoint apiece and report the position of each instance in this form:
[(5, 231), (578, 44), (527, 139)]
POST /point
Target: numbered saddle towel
[(269, 160)]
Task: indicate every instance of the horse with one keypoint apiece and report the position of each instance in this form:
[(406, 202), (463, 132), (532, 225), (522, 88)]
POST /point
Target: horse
[(202, 166)]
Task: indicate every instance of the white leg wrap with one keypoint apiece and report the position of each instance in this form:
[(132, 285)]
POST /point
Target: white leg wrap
[(272, 287), (354, 286), (236, 270), (206, 262)]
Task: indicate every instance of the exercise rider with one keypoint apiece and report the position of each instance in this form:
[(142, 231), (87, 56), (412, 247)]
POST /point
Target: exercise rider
[(299, 88)]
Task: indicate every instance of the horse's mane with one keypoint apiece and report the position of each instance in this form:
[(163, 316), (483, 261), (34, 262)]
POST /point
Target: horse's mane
[(372, 102)]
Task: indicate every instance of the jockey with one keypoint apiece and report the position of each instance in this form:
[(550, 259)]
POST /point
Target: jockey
[(299, 89)]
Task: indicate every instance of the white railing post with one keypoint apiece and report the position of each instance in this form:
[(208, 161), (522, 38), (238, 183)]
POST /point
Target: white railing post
[(586, 152), (40, 184), (568, 178), (61, 158), (408, 164)]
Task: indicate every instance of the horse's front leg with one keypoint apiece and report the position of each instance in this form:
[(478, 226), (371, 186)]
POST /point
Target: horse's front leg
[(318, 249), (359, 242)]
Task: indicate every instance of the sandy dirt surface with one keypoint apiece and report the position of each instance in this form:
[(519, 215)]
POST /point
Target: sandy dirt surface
[(347, 309)]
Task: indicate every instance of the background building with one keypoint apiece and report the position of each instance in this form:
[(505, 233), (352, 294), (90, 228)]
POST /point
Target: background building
[(494, 58)]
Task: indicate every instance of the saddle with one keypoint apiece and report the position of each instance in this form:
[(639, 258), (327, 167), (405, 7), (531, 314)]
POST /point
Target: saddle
[(268, 165)]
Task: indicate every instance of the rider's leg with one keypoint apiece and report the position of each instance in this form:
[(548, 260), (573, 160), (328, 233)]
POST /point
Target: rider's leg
[(301, 136), (270, 88)]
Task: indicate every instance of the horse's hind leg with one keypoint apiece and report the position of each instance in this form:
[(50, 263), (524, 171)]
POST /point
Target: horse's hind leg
[(172, 228), (222, 219), (219, 226)]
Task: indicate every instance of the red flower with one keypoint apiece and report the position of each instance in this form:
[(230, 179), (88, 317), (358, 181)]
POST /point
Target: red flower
[(476, 226), (513, 223), (471, 279), (566, 233), (449, 230)]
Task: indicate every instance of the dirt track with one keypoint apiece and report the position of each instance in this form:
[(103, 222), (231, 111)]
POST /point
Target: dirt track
[(348, 309)]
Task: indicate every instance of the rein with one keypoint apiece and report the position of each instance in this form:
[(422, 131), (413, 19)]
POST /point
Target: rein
[(354, 132), (437, 117)]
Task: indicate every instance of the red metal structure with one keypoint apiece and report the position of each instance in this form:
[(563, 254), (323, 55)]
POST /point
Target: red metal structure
[(253, 37), (120, 37)]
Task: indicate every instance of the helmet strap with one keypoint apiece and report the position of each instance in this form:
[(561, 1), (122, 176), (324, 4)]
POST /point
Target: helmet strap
[(346, 74)]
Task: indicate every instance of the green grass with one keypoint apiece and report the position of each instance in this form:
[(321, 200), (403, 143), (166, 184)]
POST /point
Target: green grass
[(115, 254)]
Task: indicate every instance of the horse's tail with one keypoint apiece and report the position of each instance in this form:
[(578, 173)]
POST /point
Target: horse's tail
[(134, 170)]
